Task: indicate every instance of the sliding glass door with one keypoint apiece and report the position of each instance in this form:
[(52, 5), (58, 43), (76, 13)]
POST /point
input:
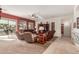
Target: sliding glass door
[(3, 27), (7, 28)]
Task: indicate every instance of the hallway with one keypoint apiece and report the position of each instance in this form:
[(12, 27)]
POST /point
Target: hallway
[(62, 46)]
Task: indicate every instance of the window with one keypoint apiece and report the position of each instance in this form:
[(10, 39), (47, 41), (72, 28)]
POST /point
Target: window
[(7, 28), (30, 25), (22, 25)]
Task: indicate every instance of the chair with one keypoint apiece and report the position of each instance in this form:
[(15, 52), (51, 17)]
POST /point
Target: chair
[(42, 38), (19, 36), (26, 36), (50, 35)]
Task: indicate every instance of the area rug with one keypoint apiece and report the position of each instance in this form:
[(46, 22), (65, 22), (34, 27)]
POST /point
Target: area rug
[(46, 45)]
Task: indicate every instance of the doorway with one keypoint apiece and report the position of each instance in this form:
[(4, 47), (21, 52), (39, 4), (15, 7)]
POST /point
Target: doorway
[(66, 29), (62, 29), (53, 26)]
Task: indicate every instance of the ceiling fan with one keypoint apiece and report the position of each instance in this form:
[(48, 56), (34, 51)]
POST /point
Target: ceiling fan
[(37, 16), (1, 9)]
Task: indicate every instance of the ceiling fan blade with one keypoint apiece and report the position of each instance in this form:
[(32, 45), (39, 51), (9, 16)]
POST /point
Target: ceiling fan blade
[(3, 9), (0, 8)]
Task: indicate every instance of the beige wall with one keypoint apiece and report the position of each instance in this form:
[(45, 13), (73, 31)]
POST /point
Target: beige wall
[(75, 31), (58, 21), (57, 25), (62, 20), (67, 25)]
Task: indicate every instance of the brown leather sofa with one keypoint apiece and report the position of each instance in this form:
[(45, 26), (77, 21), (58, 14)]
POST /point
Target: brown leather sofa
[(26, 36), (50, 35), (19, 36)]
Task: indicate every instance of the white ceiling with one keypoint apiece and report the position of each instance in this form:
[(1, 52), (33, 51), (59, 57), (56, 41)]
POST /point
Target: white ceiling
[(45, 11)]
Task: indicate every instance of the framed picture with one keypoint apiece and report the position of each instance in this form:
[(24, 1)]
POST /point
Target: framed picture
[(74, 25), (78, 22)]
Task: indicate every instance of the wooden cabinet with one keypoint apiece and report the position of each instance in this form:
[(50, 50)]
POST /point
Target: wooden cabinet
[(46, 26)]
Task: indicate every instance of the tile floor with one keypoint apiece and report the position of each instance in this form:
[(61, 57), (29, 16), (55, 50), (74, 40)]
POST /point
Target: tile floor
[(63, 45)]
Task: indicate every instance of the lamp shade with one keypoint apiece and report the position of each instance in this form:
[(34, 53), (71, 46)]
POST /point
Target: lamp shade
[(41, 28)]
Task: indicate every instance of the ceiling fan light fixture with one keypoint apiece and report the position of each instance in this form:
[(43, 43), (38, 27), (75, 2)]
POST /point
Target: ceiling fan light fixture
[(0, 9)]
